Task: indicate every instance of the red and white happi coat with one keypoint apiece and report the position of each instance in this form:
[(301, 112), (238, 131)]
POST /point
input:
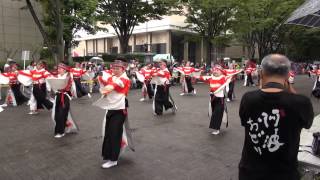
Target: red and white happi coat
[(9, 78), (115, 100), (37, 76), (161, 77), (147, 73), (77, 72), (232, 73), (216, 84)]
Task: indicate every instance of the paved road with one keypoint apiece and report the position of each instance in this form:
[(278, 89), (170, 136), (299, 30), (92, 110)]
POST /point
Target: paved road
[(169, 147)]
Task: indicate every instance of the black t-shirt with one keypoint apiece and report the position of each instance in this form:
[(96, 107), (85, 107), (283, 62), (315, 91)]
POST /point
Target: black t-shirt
[(273, 122)]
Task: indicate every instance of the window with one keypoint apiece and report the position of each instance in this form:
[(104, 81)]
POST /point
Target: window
[(159, 48), (114, 50)]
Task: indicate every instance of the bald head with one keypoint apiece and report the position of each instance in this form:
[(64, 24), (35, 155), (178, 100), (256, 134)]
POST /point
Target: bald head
[(275, 65)]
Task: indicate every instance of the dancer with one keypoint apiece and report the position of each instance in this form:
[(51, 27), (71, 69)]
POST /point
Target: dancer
[(249, 70), (114, 91), (61, 113), (76, 74), (38, 98), (14, 96), (217, 109), (144, 76), (230, 87), (162, 97), (187, 71)]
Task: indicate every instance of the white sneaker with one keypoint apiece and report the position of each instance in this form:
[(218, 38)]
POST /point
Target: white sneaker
[(228, 100), (182, 94), (215, 132), (109, 164), (4, 105), (89, 95), (142, 99), (59, 135), (33, 112), (194, 91)]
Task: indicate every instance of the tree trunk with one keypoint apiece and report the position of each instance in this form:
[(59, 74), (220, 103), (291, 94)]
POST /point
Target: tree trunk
[(40, 27), (209, 52), (59, 30), (124, 42), (67, 51)]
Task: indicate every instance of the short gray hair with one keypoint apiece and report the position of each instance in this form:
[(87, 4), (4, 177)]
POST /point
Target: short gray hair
[(275, 65)]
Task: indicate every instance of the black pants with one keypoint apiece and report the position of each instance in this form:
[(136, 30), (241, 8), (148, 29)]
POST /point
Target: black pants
[(254, 175), (20, 98), (39, 93), (113, 134), (217, 107), (189, 84), (149, 89), (162, 99), (231, 89), (80, 91), (249, 80), (61, 112)]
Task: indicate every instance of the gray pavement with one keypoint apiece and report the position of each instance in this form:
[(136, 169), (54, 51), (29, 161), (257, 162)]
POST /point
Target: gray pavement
[(176, 146)]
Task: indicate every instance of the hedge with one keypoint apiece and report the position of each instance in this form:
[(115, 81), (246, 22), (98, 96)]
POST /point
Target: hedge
[(112, 57)]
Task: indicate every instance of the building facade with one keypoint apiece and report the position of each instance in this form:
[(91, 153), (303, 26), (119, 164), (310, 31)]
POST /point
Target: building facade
[(168, 35), (18, 31)]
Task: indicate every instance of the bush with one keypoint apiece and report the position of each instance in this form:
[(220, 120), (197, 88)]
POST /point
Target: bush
[(112, 57)]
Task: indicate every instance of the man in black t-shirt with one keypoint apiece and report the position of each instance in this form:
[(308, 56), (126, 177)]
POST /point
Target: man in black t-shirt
[(273, 118)]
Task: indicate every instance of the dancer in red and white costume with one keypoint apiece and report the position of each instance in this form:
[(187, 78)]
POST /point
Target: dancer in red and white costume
[(232, 73), (188, 72), (61, 114), (145, 76), (249, 70), (114, 90), (217, 108), (38, 77), (162, 97), (77, 72)]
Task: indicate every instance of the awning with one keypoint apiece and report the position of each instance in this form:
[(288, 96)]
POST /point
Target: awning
[(308, 14)]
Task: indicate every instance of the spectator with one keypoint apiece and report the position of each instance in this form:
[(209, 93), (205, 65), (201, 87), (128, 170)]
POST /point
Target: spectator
[(273, 118)]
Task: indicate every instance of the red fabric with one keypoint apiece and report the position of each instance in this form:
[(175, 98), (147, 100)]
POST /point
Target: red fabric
[(117, 88), (214, 83), (163, 73), (12, 77), (147, 73), (77, 72)]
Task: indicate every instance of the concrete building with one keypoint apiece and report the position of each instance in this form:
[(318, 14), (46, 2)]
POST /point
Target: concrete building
[(167, 35), (18, 31)]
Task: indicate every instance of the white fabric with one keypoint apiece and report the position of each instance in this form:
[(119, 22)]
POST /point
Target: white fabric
[(32, 102), (25, 80), (140, 77), (57, 83), (4, 80)]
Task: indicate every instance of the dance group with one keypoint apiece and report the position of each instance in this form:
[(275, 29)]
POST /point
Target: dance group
[(114, 88)]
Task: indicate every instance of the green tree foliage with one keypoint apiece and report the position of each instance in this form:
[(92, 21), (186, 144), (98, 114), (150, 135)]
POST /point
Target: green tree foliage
[(61, 19), (261, 23), (124, 15), (302, 43), (211, 19)]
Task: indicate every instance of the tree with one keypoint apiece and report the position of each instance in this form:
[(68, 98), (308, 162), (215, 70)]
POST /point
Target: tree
[(210, 18), (76, 15), (124, 15), (61, 20), (261, 23)]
